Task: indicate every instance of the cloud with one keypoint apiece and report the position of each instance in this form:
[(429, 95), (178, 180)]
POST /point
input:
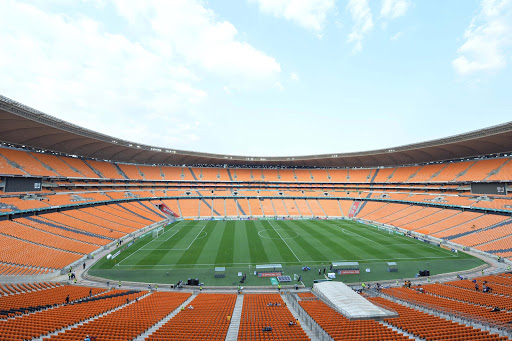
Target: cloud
[(392, 9), (363, 22), (143, 83), (310, 14), (397, 36), (197, 35), (294, 76), (487, 41)]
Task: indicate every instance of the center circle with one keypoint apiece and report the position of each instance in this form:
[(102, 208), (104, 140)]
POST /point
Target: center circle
[(201, 235)]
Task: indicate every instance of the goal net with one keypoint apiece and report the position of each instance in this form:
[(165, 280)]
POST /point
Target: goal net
[(158, 232)]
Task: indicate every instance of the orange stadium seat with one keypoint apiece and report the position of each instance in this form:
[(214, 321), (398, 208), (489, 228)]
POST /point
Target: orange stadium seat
[(27, 161), (205, 318), (341, 328), (256, 314), (331, 208)]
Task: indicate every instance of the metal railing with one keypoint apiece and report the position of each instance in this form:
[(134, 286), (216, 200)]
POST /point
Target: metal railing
[(465, 318), (308, 320)]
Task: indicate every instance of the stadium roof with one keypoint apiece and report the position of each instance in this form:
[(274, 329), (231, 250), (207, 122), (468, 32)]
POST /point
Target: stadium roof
[(24, 126)]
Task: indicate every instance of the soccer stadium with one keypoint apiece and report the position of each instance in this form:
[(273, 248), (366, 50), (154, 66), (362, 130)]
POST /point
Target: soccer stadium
[(109, 238)]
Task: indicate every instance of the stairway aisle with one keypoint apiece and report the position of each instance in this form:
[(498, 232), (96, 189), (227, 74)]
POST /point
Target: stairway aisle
[(234, 326), (164, 320)]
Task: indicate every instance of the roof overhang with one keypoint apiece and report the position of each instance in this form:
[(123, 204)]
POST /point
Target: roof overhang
[(24, 126)]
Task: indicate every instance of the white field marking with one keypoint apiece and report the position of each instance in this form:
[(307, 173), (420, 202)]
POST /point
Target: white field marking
[(157, 239), (284, 241), (204, 235), (177, 249), (276, 238), (384, 234), (350, 233), (150, 241), (192, 242), (353, 233), (119, 264), (279, 262)]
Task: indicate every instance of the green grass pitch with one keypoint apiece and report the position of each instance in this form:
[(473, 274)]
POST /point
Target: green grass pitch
[(191, 249)]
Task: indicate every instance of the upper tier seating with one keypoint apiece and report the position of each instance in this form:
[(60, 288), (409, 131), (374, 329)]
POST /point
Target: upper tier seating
[(20, 252), (28, 163), (19, 231)]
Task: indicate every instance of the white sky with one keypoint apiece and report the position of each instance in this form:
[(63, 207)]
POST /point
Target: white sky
[(262, 77)]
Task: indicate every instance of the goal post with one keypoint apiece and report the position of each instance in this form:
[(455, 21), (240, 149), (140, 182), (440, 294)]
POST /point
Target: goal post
[(158, 232)]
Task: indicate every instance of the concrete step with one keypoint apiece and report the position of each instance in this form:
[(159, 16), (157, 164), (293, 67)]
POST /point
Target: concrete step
[(297, 316), (400, 331), (163, 321), (234, 326)]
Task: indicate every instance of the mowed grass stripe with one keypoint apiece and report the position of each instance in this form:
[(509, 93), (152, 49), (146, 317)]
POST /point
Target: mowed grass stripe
[(317, 241), (227, 244), (370, 245), (194, 252), (325, 243), (241, 251), (256, 249), (336, 241), (298, 243), (209, 252), (414, 249), (285, 254), (267, 235), (168, 233), (155, 256), (365, 246)]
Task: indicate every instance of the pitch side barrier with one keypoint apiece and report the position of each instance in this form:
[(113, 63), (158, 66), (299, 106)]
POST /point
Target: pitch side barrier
[(320, 184), (431, 240), (38, 211)]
